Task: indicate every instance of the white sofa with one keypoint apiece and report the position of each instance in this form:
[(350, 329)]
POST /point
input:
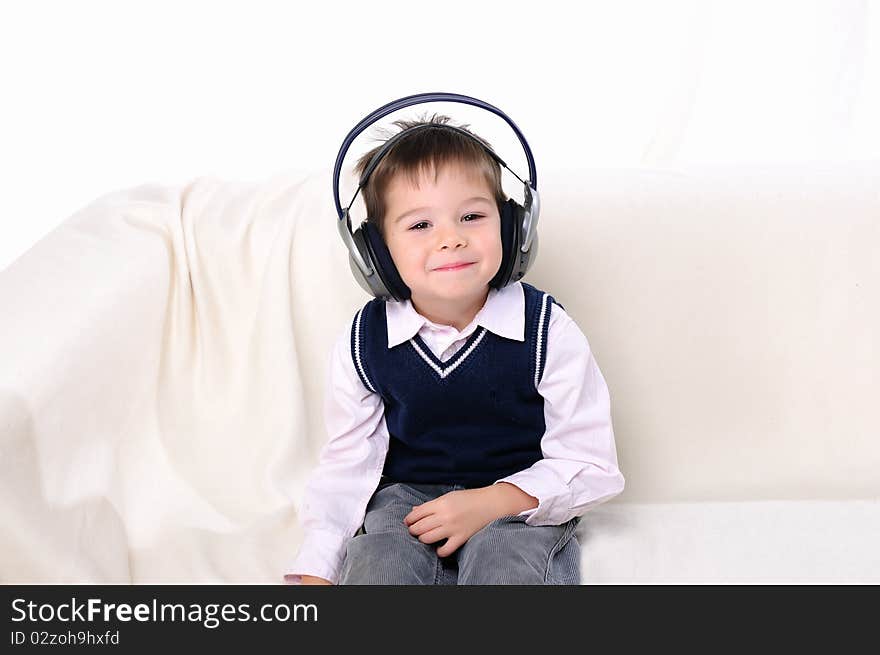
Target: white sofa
[(163, 351)]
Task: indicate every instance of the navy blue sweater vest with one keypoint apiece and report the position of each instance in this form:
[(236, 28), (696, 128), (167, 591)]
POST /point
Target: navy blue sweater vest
[(470, 420)]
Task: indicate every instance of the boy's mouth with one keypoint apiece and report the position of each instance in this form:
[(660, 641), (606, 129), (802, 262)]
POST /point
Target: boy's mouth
[(454, 267)]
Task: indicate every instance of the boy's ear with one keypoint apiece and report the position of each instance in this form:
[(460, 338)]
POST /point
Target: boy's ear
[(384, 263)]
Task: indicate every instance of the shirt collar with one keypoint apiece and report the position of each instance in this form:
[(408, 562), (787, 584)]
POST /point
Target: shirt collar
[(503, 313)]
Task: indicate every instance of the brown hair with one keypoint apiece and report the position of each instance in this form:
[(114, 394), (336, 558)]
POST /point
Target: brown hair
[(424, 150)]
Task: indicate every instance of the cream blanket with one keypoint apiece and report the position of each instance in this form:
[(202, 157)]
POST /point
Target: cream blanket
[(162, 353)]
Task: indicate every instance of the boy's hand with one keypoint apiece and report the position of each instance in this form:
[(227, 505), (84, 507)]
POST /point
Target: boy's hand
[(460, 514), (313, 579)]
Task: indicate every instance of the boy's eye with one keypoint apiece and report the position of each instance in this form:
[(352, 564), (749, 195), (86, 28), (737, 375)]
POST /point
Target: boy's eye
[(417, 228)]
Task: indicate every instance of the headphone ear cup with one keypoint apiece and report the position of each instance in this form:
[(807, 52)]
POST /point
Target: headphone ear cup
[(383, 262), (511, 237), (373, 284)]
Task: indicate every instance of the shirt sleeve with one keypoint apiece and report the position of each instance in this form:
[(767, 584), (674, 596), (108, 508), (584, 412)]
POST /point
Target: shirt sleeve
[(348, 470), (579, 468)]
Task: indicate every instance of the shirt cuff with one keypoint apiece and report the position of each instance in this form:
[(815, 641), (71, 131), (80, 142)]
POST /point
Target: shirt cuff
[(320, 554), (554, 497)]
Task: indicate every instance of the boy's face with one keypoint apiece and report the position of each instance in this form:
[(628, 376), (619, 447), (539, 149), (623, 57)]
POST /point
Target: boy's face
[(453, 221)]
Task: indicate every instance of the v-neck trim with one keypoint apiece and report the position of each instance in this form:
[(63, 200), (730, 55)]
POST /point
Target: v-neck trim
[(445, 368)]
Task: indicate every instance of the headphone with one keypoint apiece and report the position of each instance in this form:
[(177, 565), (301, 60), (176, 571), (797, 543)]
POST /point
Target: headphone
[(369, 257)]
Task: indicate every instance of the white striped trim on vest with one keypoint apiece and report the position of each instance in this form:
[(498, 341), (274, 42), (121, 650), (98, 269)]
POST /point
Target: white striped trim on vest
[(443, 372), (541, 340), (357, 350)]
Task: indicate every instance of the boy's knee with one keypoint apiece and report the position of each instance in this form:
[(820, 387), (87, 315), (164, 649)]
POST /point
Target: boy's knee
[(507, 551), (499, 535), (387, 558), (492, 557)]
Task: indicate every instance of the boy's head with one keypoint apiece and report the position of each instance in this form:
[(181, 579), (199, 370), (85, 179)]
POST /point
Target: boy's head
[(435, 198)]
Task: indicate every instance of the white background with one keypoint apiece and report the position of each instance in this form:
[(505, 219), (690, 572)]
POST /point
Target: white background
[(98, 96)]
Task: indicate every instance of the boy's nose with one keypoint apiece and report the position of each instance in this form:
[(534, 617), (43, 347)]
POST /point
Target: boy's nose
[(451, 243), (450, 237)]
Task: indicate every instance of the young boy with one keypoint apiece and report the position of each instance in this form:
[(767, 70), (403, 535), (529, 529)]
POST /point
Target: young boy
[(469, 426)]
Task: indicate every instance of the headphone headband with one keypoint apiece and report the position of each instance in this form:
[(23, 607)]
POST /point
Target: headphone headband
[(419, 98)]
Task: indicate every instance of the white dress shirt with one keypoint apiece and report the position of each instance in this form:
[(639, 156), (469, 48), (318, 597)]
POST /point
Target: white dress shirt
[(579, 466)]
